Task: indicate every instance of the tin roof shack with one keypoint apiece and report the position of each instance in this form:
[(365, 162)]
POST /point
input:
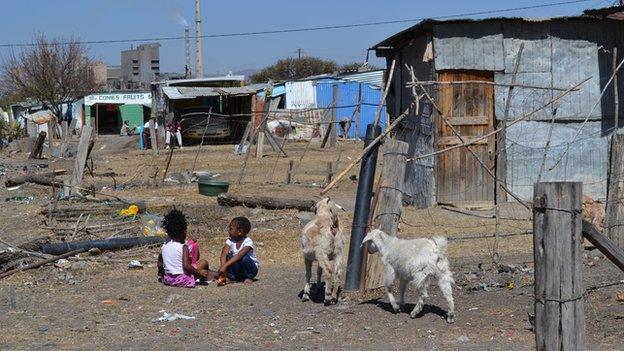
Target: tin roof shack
[(109, 110), (310, 100), (558, 53), (189, 100)]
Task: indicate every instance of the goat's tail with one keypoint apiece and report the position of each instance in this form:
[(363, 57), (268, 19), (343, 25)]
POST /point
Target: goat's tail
[(441, 244)]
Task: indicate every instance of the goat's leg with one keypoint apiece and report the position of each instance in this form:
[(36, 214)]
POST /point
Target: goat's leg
[(421, 281), (337, 276), (319, 274), (325, 264), (402, 287), (306, 288), (389, 283), (445, 281)]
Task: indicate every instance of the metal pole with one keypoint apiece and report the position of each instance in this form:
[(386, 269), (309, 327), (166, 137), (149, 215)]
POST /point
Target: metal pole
[(199, 55), (362, 209)]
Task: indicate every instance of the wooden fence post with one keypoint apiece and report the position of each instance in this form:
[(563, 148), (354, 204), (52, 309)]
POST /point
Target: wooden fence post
[(291, 170), (330, 172), (557, 246), (153, 139), (37, 149), (81, 159), (614, 219), (334, 131), (389, 204)]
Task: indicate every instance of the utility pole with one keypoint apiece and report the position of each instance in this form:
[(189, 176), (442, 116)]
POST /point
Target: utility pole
[(187, 49), (199, 64), (300, 50)]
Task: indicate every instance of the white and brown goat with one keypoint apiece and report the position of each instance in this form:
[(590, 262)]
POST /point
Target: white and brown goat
[(322, 240)]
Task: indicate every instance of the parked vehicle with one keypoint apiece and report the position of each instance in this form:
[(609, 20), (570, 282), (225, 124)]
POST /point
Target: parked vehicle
[(193, 122)]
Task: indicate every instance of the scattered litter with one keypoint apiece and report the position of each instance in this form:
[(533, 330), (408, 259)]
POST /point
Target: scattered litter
[(507, 268), (168, 317), (620, 297), (152, 225), (271, 324), (510, 285), (463, 339), (473, 308), (107, 302), (13, 188), (255, 211), (62, 263), (134, 264), (131, 211), (19, 199), (94, 251)]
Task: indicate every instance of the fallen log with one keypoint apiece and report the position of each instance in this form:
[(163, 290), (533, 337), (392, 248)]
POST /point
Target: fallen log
[(41, 263), (107, 244), (38, 178), (269, 203)]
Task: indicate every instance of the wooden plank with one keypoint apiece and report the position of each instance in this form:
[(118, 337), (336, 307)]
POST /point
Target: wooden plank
[(614, 220), (608, 247), (557, 246), (389, 205), (453, 140), (65, 139), (468, 120), (81, 158)]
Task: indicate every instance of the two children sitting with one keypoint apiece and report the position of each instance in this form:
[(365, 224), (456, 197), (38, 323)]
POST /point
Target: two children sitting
[(179, 263)]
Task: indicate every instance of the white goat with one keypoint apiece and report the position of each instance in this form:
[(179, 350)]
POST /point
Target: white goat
[(322, 240), (414, 261)]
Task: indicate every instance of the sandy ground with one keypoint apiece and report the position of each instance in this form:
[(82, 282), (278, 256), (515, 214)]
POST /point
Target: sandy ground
[(98, 303)]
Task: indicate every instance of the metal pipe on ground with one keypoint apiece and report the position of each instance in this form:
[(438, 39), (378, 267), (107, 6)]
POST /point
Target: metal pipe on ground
[(362, 210), (107, 244)]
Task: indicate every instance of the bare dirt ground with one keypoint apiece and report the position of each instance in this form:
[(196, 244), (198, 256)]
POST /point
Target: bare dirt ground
[(99, 303)]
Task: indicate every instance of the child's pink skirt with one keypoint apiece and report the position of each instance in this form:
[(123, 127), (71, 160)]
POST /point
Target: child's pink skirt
[(179, 280)]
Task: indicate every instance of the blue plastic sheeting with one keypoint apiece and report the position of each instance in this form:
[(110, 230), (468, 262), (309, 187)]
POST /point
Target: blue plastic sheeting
[(586, 160), (348, 93)]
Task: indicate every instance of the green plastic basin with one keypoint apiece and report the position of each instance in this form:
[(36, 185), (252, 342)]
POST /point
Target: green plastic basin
[(209, 187)]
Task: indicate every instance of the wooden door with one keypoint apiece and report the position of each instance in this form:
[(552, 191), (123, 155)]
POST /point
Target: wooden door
[(470, 109)]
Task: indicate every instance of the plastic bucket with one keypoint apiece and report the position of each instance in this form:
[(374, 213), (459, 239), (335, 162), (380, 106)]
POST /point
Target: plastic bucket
[(209, 187)]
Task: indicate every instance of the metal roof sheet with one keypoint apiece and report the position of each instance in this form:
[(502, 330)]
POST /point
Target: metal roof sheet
[(374, 78), (427, 25), (176, 93)]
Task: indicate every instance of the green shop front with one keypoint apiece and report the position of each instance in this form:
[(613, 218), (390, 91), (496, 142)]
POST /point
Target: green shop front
[(107, 111)]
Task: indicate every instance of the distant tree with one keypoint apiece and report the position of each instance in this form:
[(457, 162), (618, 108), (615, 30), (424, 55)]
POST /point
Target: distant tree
[(358, 67), (294, 68), (50, 72)]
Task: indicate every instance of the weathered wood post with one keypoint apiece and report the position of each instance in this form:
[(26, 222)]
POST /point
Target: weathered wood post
[(291, 170), (390, 202), (153, 139), (557, 246), (81, 159), (37, 149), (330, 172), (614, 220), (333, 136)]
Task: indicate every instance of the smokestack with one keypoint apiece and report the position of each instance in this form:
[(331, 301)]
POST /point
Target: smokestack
[(187, 49), (199, 64)]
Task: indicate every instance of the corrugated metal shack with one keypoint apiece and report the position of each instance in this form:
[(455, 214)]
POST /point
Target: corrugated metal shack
[(558, 53), (226, 97), (315, 97)]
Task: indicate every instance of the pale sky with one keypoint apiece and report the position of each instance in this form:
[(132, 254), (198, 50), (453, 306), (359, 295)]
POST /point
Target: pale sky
[(130, 19)]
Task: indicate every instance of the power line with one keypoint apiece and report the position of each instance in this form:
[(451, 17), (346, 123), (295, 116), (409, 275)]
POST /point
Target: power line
[(311, 29)]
